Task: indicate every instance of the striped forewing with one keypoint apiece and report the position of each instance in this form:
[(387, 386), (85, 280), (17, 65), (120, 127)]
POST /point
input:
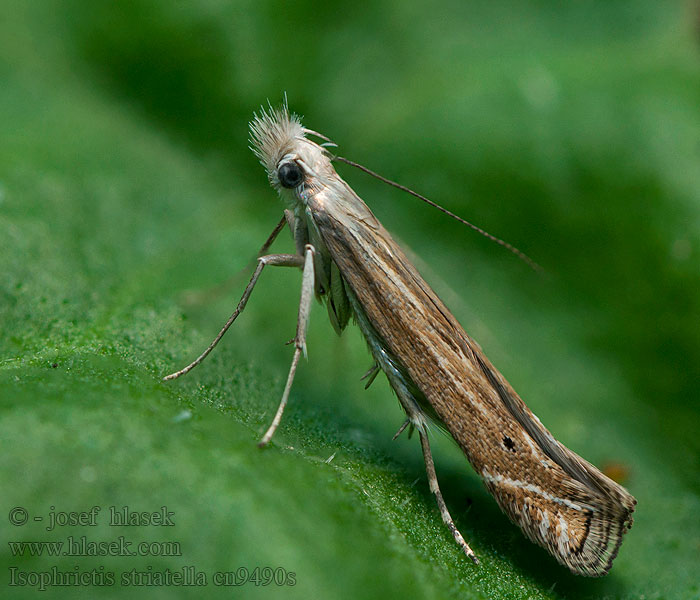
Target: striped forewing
[(559, 500)]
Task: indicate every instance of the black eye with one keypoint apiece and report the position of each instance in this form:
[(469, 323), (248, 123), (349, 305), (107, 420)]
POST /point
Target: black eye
[(290, 175)]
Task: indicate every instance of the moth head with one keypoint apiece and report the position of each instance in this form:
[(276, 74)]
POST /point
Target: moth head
[(292, 161)]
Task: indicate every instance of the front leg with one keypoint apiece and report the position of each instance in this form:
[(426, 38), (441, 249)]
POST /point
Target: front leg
[(279, 260), (307, 294)]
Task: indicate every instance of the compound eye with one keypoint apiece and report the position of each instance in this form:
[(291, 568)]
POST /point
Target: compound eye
[(290, 175)]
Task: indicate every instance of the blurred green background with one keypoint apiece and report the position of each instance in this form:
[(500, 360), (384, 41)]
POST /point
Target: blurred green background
[(130, 204)]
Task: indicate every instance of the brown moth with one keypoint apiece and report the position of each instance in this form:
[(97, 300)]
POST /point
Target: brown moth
[(349, 261)]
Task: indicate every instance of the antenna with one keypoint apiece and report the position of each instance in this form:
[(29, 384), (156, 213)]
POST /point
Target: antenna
[(521, 255)]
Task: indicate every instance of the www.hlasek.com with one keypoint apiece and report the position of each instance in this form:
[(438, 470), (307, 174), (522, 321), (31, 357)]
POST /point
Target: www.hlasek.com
[(81, 546)]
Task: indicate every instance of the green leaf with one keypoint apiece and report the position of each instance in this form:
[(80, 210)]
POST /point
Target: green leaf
[(130, 211)]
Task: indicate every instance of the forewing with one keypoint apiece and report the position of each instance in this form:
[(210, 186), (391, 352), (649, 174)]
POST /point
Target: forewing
[(559, 500)]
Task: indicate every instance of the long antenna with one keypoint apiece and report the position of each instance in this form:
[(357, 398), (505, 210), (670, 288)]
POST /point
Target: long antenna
[(521, 255)]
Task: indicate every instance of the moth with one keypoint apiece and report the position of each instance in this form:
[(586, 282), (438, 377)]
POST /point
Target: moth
[(352, 264)]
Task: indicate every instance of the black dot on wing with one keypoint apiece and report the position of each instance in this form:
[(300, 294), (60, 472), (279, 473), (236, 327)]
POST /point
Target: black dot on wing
[(508, 443)]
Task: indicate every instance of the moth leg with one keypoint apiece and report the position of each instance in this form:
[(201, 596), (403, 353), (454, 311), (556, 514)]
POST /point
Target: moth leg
[(273, 236), (291, 221), (307, 294), (435, 488), (405, 424), (370, 375), (280, 260)]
